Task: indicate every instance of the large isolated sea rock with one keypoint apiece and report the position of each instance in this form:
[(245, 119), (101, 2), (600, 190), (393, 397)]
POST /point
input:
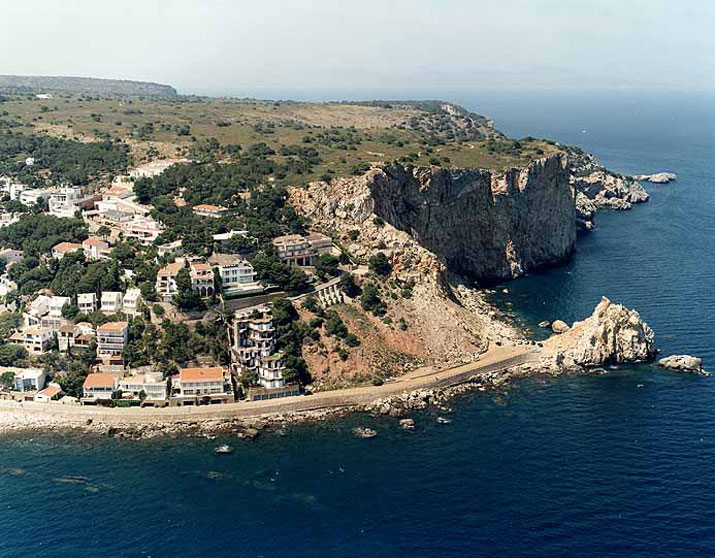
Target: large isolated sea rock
[(612, 334)]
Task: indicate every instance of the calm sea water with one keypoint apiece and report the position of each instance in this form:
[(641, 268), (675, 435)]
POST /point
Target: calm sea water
[(617, 465)]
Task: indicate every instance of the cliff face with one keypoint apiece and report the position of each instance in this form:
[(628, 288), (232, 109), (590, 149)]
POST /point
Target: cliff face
[(485, 225), (488, 226)]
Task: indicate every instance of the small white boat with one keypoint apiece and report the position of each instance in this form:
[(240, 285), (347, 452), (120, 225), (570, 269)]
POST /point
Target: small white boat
[(442, 420), (223, 450)]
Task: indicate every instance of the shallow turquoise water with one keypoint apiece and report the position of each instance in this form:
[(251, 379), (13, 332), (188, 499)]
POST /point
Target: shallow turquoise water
[(616, 465)]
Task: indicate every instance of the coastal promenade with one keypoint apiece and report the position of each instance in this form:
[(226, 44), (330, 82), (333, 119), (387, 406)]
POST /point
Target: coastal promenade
[(498, 359)]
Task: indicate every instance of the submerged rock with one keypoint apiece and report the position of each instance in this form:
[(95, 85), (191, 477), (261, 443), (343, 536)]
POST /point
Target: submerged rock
[(685, 363), (612, 334), (364, 432)]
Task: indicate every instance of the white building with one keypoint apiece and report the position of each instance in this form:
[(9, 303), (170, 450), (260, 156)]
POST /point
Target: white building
[(95, 249), (145, 229), (208, 210), (35, 339), (166, 280), (63, 203), (111, 302), (53, 392), (169, 249), (202, 279), (29, 197), (38, 308), (60, 250), (29, 379), (196, 385), (237, 275), (253, 347), (132, 301), (112, 337), (99, 386), (153, 385), (57, 303), (87, 303)]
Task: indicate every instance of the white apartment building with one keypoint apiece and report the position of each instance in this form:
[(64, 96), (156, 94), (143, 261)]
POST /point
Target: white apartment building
[(112, 337), (111, 302), (131, 302), (35, 339), (87, 303)]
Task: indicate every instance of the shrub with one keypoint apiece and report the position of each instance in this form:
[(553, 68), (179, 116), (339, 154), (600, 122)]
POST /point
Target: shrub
[(380, 264)]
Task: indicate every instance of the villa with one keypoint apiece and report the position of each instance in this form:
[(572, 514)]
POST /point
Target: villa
[(111, 302), (153, 386), (194, 386), (99, 387), (166, 280), (202, 279), (60, 250), (95, 249), (29, 379), (35, 339), (236, 274), (208, 210), (301, 250)]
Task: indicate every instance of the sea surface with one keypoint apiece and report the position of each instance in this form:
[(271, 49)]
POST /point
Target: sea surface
[(621, 464)]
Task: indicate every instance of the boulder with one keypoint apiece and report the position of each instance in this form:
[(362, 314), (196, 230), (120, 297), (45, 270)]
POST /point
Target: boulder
[(685, 363), (544, 324), (611, 335), (559, 326)]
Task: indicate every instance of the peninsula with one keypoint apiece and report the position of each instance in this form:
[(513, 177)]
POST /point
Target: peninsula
[(213, 258)]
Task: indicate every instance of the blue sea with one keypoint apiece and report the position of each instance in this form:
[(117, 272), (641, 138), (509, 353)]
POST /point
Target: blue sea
[(588, 466)]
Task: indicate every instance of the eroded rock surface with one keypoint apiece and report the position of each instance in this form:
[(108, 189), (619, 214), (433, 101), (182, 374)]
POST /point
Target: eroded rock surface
[(685, 363)]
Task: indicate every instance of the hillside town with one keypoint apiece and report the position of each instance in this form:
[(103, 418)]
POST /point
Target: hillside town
[(85, 342)]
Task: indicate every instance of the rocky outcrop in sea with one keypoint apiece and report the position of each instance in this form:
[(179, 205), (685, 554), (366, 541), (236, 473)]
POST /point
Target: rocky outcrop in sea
[(612, 334), (657, 178), (683, 363)]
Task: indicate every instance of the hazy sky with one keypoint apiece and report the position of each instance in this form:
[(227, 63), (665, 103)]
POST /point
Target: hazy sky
[(333, 48)]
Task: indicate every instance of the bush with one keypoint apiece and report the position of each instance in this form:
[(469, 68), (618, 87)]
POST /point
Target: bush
[(349, 286), (334, 326), (380, 264), (371, 301), (351, 340)]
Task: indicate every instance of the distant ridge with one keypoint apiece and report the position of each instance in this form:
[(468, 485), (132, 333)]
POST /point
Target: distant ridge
[(94, 86)]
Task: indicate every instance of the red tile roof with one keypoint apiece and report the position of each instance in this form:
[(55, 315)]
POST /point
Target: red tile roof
[(113, 326), (100, 380), (212, 374)]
